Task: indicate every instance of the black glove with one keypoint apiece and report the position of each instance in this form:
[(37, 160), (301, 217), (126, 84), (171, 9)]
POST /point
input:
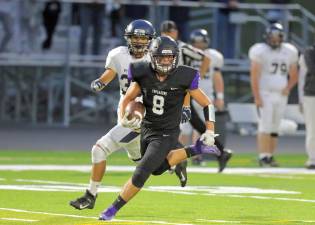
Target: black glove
[(186, 114)]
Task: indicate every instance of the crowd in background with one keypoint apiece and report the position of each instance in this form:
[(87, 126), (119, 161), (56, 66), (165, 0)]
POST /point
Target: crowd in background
[(29, 25)]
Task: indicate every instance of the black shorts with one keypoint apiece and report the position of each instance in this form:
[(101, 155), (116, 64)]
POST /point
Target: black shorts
[(155, 146)]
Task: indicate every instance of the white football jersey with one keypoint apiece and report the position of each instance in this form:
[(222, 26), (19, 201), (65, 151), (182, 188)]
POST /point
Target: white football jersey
[(217, 61), (275, 64), (118, 59)]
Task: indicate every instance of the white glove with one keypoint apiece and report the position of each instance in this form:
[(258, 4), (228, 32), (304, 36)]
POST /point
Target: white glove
[(133, 124), (97, 85), (208, 137)]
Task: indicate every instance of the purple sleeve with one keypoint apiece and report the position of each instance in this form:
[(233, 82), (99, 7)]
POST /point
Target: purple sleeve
[(130, 78), (195, 82)]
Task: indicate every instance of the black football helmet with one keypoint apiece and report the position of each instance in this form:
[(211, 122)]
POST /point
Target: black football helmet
[(140, 28), (199, 35), (160, 47), (274, 35)]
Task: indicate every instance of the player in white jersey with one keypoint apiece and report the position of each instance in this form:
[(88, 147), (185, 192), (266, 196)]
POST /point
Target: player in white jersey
[(138, 35), (271, 63), (212, 85)]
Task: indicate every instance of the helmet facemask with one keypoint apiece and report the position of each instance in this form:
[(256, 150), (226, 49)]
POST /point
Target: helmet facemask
[(138, 44), (164, 64)]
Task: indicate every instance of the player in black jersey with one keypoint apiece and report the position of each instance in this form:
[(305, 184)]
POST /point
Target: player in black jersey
[(189, 55), (163, 85)]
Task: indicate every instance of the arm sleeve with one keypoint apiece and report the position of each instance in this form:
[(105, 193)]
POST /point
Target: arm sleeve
[(112, 62), (218, 64), (254, 54), (294, 56), (195, 82)]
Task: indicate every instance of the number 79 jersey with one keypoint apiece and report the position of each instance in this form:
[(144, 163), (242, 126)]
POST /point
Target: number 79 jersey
[(275, 64), (119, 59)]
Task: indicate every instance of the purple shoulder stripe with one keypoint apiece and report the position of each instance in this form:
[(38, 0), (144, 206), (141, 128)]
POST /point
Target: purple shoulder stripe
[(130, 78), (195, 82)]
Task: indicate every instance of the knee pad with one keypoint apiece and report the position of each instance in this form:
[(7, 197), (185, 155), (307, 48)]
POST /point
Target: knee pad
[(139, 177), (274, 135), (98, 154), (164, 167)]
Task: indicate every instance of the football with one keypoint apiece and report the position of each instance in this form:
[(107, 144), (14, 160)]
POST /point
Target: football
[(135, 109)]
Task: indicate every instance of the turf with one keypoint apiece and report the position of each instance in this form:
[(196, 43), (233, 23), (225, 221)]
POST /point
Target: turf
[(194, 206)]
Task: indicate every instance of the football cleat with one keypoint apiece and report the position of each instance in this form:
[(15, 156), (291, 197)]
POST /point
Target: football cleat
[(108, 214), (87, 201), (181, 172), (200, 148), (264, 162), (224, 158)]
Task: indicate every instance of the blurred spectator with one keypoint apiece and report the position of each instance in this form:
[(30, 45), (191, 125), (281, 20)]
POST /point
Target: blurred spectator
[(6, 20), (29, 25), (277, 15), (50, 19), (92, 14), (180, 15), (225, 30), (114, 10), (307, 99)]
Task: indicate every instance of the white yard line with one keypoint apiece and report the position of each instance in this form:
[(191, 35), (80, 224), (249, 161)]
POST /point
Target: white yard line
[(87, 168), (49, 182), (219, 221), (1, 179), (90, 217), (247, 221), (265, 197), (16, 219)]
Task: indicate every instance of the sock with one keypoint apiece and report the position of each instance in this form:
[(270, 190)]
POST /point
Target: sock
[(93, 187), (190, 151), (119, 202)]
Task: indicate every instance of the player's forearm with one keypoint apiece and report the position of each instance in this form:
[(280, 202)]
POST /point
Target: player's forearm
[(219, 85), (293, 77), (107, 76), (210, 125), (187, 100)]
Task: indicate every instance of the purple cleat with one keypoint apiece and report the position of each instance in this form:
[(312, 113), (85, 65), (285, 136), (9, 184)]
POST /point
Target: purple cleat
[(200, 148), (108, 214)]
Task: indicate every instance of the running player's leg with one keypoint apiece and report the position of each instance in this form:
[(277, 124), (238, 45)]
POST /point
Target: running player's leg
[(116, 138)]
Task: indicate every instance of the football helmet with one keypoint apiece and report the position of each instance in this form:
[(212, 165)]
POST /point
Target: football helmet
[(161, 48), (199, 35), (139, 29), (274, 35)]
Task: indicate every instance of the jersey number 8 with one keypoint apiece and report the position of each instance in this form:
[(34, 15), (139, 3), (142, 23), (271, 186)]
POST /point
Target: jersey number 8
[(158, 104)]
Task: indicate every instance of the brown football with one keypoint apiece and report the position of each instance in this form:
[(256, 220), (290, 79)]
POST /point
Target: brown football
[(135, 109)]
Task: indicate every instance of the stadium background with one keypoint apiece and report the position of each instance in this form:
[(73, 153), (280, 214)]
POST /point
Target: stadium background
[(43, 89)]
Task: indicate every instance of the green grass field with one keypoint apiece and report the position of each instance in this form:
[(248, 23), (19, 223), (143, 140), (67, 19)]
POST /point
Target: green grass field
[(41, 197)]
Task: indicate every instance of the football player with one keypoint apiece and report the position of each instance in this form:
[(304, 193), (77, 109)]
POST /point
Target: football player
[(271, 63), (163, 85), (212, 85), (138, 35)]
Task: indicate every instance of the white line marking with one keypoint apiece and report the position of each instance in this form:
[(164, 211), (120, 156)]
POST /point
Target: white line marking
[(264, 221), (49, 182), (16, 219), (90, 217), (1, 179), (87, 168), (266, 197), (218, 221)]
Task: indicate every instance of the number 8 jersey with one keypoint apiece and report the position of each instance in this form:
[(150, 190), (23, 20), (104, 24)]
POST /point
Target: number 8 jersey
[(275, 64), (119, 59)]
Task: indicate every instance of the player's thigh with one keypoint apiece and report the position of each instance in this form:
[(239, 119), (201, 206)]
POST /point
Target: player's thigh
[(156, 151), (133, 149), (265, 113), (186, 129), (279, 109)]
